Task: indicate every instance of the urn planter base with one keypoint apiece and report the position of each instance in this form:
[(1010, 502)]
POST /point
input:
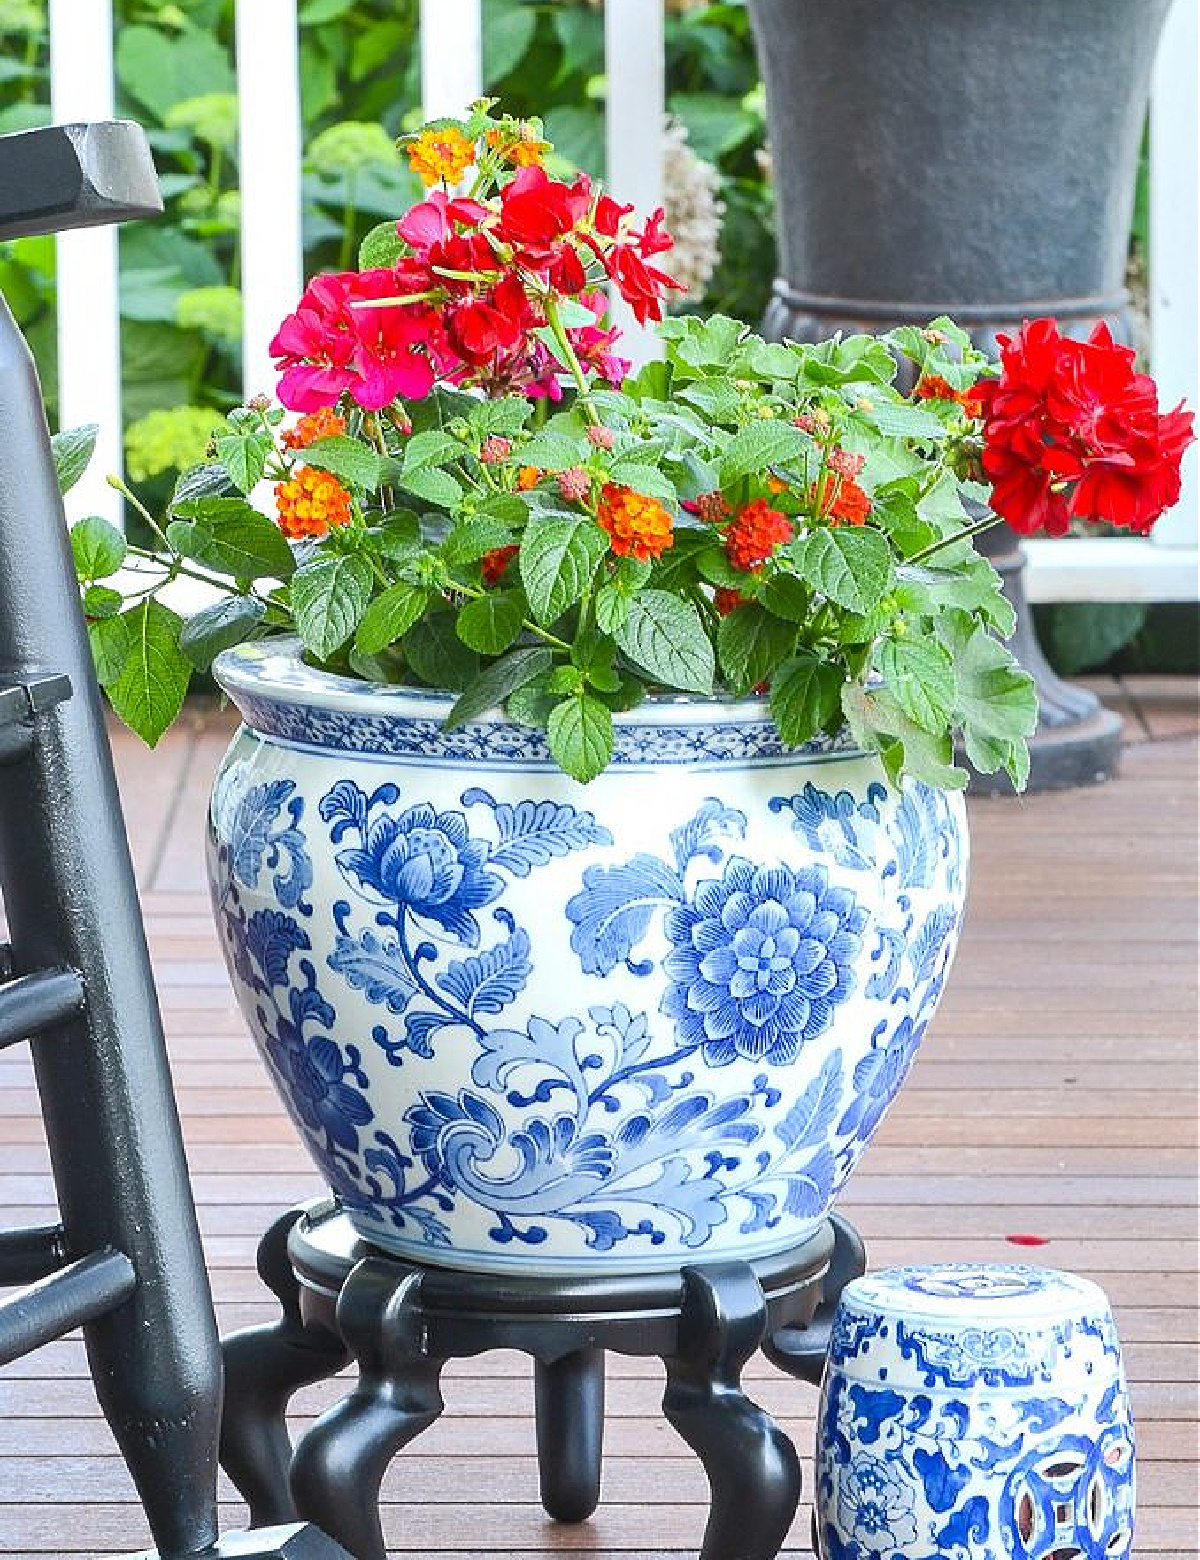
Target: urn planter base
[(402, 1321)]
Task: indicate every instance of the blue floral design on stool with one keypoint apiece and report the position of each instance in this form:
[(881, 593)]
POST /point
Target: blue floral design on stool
[(760, 958), (974, 1413)]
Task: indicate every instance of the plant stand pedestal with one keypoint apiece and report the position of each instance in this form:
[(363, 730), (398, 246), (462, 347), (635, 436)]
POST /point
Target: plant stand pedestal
[(401, 1322)]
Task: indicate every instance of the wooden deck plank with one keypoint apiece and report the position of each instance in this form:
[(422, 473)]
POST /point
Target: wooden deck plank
[(1054, 1097)]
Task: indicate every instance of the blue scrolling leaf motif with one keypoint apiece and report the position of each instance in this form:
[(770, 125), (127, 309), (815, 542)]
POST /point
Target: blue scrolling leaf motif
[(532, 833), (810, 1189), (808, 1123), (698, 836), (270, 940), (612, 912), (487, 982), (376, 968), (546, 1046)]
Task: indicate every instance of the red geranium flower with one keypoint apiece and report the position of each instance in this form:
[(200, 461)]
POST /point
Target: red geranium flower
[(315, 345), (1071, 430)]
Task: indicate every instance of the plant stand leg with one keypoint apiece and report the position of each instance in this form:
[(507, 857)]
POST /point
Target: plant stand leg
[(752, 1466), (801, 1351), (264, 1367), (569, 1397), (338, 1467)]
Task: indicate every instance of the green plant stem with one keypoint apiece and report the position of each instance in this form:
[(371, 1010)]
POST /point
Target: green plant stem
[(964, 535), (554, 320)]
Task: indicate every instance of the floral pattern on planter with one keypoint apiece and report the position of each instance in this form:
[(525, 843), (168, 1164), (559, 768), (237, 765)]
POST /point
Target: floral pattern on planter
[(505, 1040)]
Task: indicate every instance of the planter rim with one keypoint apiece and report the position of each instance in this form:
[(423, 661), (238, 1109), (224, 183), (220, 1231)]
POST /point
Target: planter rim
[(279, 694)]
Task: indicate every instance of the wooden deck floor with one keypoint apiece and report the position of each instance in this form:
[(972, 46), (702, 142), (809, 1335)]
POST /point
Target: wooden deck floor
[(1055, 1098)]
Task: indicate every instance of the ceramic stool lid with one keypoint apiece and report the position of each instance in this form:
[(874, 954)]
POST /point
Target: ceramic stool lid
[(988, 1325)]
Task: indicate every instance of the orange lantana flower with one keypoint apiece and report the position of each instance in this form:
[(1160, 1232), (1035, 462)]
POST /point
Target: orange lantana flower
[(754, 535), (310, 502), (528, 150), (322, 424), (440, 155), (638, 527), (840, 499), (529, 477), (932, 387)]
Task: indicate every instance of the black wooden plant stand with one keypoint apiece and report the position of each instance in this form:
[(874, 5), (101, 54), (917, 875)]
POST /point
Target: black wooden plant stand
[(400, 1322)]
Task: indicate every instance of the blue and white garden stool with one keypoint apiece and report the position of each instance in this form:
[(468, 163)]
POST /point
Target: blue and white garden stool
[(974, 1413)]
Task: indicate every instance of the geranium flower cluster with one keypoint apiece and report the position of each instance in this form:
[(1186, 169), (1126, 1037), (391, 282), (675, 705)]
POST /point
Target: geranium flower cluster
[(1072, 431), (497, 289)]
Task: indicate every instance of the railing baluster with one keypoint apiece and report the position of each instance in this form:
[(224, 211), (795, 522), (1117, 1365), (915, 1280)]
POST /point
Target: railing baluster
[(635, 65), (451, 56), (89, 334), (269, 138)]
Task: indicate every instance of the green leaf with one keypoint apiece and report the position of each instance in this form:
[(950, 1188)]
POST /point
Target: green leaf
[(206, 481), (470, 539), (97, 547), (550, 451), (665, 638), (244, 456), (751, 644), (427, 449), (490, 623), (559, 555), (996, 699), (437, 655), (101, 602), (229, 535), (920, 676), (899, 420), (703, 343), (217, 627), (760, 445), (850, 566), (109, 639), (390, 616), (787, 597), (505, 417), (805, 697), (347, 459), (580, 730), (159, 70), (329, 597), (496, 682), (72, 449), (879, 725), (642, 479), (433, 486), (381, 248), (973, 587), (148, 693), (612, 607)]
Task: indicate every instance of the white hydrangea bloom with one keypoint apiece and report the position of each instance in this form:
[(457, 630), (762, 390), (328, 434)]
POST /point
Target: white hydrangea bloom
[(694, 209)]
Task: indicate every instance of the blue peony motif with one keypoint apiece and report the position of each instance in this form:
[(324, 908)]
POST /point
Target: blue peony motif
[(876, 1506), (426, 862), (760, 959)]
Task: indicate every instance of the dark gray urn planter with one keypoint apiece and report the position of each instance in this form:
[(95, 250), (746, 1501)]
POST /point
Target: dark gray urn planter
[(967, 157)]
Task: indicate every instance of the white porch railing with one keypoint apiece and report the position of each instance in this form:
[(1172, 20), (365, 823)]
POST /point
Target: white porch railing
[(1164, 567)]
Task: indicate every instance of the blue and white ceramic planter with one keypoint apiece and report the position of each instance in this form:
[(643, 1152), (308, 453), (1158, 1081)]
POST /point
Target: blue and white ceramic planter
[(524, 1024), (974, 1413)]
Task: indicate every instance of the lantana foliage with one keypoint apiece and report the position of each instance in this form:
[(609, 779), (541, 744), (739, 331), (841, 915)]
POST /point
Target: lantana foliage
[(477, 494)]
